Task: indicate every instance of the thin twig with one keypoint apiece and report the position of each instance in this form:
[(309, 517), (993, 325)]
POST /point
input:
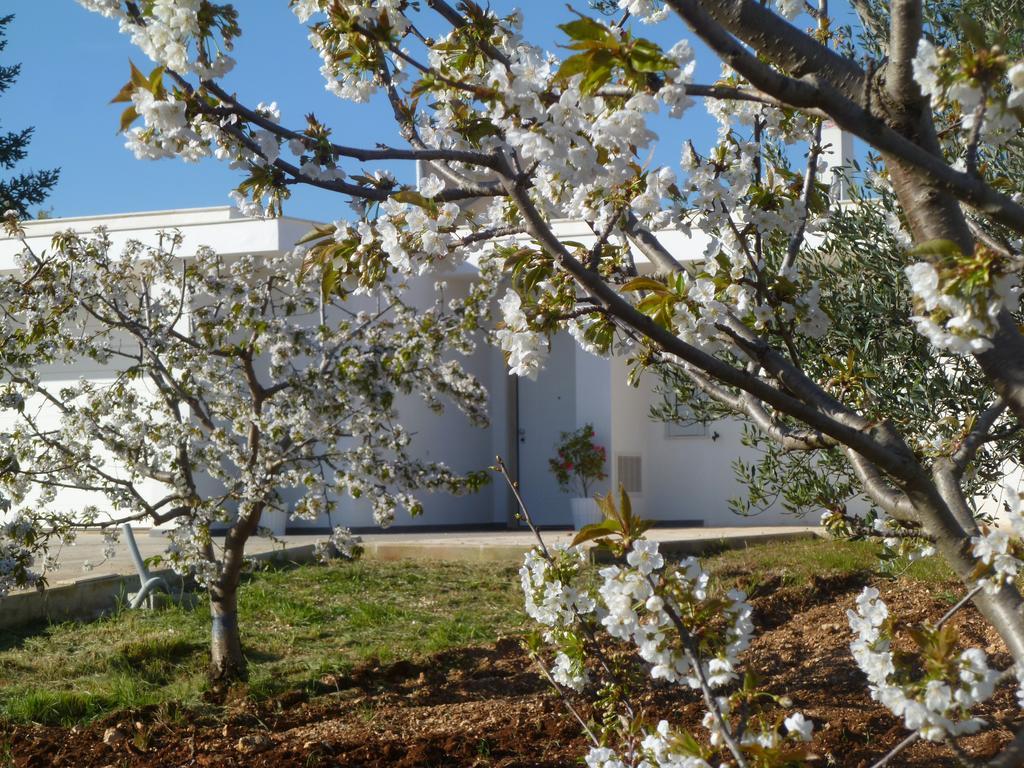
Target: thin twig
[(566, 702), (584, 626), (897, 749), (503, 471), (810, 176), (960, 604), (705, 687)]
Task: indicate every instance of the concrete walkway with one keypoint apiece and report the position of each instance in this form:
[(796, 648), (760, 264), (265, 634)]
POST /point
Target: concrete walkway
[(489, 546)]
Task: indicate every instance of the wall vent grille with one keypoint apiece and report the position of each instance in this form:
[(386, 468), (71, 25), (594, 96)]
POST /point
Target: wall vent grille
[(630, 473)]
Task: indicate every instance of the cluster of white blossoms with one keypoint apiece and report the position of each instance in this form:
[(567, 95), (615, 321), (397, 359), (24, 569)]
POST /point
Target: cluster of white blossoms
[(665, 748), (661, 748), (570, 671), (926, 70), (936, 706), (790, 9), (899, 538), (795, 728), (523, 346), (954, 314), (1015, 75), (736, 277), (973, 99), (959, 323), (555, 598), (909, 547), (17, 559), (645, 604), (647, 11), (414, 238), (342, 78), (166, 129), (551, 586), (999, 547), (341, 543), (633, 603), (244, 348), (168, 32)]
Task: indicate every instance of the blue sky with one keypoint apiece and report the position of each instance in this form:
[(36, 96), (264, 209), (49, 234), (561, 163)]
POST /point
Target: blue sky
[(74, 61)]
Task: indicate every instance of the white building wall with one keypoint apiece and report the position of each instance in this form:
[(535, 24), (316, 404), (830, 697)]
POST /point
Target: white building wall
[(544, 409), (630, 416), (683, 478), (691, 477), (447, 437), (503, 393), (595, 382)]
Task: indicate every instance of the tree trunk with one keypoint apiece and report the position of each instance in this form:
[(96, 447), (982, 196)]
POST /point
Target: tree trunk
[(227, 664)]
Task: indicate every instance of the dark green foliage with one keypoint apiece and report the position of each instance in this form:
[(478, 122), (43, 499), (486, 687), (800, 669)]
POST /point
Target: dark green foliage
[(19, 191)]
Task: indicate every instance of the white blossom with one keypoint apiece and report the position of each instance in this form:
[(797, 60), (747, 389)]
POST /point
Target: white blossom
[(935, 707)]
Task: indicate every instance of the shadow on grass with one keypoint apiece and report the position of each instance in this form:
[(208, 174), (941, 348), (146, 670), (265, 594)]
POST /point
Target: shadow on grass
[(14, 638)]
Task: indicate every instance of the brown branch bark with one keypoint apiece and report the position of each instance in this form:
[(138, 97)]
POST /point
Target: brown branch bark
[(905, 27), (789, 47)]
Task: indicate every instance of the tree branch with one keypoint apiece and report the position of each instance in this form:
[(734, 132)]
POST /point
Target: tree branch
[(905, 27), (968, 449), (889, 498), (650, 246), (810, 176), (814, 91), (897, 461), (783, 43)]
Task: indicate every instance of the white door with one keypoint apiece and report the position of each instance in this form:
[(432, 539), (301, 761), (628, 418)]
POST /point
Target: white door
[(547, 407)]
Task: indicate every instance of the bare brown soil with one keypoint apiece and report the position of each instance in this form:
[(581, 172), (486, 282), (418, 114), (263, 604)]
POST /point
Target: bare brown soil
[(484, 706)]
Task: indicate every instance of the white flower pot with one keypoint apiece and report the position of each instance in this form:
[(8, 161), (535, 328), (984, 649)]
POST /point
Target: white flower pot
[(274, 519), (584, 512)]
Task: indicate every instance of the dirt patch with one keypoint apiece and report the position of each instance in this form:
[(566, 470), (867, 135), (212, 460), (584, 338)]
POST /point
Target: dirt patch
[(484, 706)]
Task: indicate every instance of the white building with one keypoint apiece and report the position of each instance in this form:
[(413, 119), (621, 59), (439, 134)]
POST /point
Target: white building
[(682, 475), (672, 473)]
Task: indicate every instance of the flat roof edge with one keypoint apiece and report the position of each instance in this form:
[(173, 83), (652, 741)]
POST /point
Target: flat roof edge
[(217, 214)]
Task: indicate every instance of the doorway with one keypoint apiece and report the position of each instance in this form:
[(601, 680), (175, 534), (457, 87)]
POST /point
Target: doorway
[(545, 408)]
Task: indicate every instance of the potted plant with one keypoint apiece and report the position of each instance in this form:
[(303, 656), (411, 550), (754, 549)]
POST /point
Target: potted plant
[(578, 464)]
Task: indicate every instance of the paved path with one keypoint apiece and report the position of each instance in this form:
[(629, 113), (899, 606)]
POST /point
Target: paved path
[(505, 546)]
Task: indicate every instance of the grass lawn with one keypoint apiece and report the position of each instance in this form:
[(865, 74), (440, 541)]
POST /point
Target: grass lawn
[(297, 625), (302, 623)]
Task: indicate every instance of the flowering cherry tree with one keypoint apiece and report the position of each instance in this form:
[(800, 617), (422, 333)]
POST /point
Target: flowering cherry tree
[(516, 137), (226, 389)]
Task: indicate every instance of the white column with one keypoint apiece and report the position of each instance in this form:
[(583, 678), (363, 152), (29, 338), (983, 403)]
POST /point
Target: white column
[(837, 152)]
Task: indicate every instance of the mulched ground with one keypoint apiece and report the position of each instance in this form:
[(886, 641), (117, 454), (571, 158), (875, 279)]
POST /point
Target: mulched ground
[(484, 706)]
